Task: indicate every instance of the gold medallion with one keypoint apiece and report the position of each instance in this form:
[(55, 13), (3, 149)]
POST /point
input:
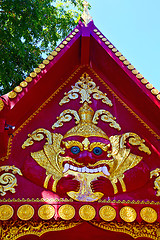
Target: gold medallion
[(135, 71), (66, 212), (37, 70), (155, 91), (144, 81), (128, 214), (122, 58), (46, 212), (33, 74), (18, 89), (76, 30), (149, 86), (148, 214), (107, 213), (118, 54), (6, 212), (12, 94), (1, 105), (139, 76), (28, 79), (46, 61), (87, 212), (54, 53), (25, 212), (23, 84), (50, 57), (41, 66)]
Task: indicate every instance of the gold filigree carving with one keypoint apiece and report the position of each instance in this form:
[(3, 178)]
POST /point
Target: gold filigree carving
[(156, 173), (123, 158), (8, 181), (86, 145), (85, 87), (16, 229), (103, 146), (69, 144), (38, 135), (106, 117), (66, 212), (87, 116), (66, 117), (136, 230)]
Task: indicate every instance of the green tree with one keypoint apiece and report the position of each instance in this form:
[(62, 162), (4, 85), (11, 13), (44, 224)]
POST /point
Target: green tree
[(28, 29)]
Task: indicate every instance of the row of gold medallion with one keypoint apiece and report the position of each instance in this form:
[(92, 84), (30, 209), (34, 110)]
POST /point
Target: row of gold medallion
[(129, 65), (37, 70), (86, 212)]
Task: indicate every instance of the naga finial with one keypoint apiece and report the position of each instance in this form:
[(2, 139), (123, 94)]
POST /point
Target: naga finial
[(86, 15)]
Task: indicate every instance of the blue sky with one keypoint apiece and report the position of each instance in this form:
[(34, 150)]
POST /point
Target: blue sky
[(134, 28)]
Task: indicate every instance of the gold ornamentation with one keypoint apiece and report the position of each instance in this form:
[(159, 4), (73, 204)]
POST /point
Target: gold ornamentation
[(25, 212), (86, 143), (85, 87), (33, 74), (136, 230), (128, 214), (7, 180), (106, 117), (66, 117), (135, 71), (123, 159), (23, 84), (46, 61), (18, 89), (85, 193), (28, 79), (66, 212), (86, 120), (12, 94), (156, 173), (46, 181), (50, 57), (130, 67), (41, 66), (54, 186), (103, 146), (154, 91), (16, 229), (87, 212), (69, 144), (107, 213), (144, 81), (54, 53), (149, 86), (46, 212), (86, 15), (148, 214), (47, 158), (6, 212), (37, 70), (38, 135), (1, 105)]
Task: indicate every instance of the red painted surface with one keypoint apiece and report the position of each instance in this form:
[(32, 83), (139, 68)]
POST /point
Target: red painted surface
[(84, 53)]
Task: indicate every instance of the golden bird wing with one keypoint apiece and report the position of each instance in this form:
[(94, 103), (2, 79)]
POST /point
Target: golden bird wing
[(49, 158), (131, 161)]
